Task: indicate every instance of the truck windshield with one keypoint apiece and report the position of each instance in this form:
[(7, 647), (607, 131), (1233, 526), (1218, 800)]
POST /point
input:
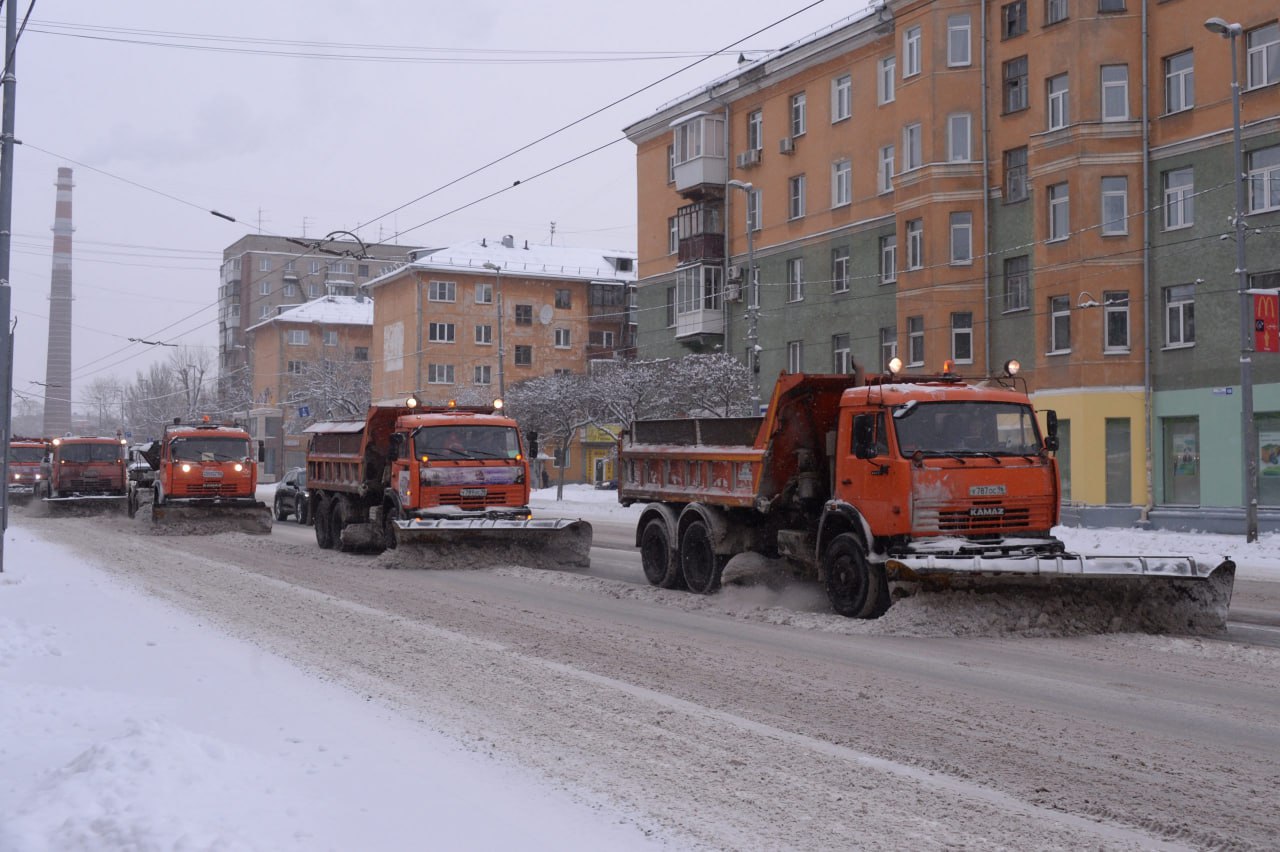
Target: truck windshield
[(26, 454), (89, 452), (465, 441), (961, 428), (209, 449)]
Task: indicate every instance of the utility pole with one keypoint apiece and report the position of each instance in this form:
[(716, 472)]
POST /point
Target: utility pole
[(10, 84), (752, 282), (502, 351)]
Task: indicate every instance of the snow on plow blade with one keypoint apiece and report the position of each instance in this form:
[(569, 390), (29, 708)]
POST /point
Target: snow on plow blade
[(1148, 593), (536, 542), (207, 518), (65, 507)]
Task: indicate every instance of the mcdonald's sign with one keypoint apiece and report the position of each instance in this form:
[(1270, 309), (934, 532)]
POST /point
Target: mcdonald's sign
[(1266, 322)]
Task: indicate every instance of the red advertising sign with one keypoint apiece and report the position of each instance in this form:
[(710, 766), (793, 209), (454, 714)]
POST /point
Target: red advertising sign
[(1266, 322)]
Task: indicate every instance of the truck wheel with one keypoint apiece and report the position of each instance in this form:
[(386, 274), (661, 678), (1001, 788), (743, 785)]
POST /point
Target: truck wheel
[(660, 569), (390, 512), (699, 562), (324, 535), (132, 501), (855, 587), (337, 520)]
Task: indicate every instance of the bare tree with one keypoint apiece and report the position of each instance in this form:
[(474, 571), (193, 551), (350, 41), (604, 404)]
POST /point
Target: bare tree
[(153, 400), (330, 390), (106, 399), (190, 367)]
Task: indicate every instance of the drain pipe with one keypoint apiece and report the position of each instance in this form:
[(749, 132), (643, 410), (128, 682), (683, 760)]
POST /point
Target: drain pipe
[(986, 204), (1144, 518)]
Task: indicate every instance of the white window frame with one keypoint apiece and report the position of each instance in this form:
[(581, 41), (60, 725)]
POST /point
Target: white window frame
[(799, 117), (755, 130), (1059, 325), (673, 234), (962, 337), (439, 374), (329, 338), (884, 173), (1055, 11), (915, 341), (484, 293), (441, 332), (915, 244), (294, 368), (912, 147), (1179, 199), (264, 264), (442, 291), (841, 354), (841, 98), (1264, 179), (1262, 55), (840, 270), (959, 137), (961, 223), (795, 198), (605, 338), (886, 84), (264, 287), (1115, 92), (298, 337), (1017, 283), (795, 279), (1115, 303), (795, 356), (563, 338), (888, 345), (1179, 83), (755, 204), (1115, 205), (264, 312), (911, 52), (888, 258), (484, 335), (482, 375), (1058, 88), (959, 52), (1059, 197), (1179, 316), (841, 183)]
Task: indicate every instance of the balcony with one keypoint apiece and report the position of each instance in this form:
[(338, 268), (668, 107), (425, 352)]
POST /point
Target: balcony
[(700, 231), (699, 322), (698, 157)]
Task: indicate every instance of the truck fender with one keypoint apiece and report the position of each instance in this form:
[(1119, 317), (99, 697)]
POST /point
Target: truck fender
[(839, 517), (724, 533), (658, 510)]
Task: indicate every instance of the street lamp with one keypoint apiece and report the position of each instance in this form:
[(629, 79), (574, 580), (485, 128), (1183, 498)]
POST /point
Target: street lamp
[(1249, 443), (753, 301), (502, 352)]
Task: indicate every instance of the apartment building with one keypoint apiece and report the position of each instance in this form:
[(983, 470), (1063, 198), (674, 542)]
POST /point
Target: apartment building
[(1045, 180), (309, 362)]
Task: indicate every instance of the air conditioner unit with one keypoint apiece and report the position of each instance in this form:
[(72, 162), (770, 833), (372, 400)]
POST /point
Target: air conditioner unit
[(734, 273), (787, 145), (733, 293), (748, 158)]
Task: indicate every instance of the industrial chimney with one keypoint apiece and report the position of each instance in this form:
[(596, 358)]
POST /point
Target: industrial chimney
[(57, 375)]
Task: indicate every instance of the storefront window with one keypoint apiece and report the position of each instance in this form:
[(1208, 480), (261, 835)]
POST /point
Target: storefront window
[(1064, 458), (1119, 469), (1268, 426), (1182, 461)]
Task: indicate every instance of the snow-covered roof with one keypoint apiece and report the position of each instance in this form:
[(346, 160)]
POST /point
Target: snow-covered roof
[(326, 310), (519, 257)]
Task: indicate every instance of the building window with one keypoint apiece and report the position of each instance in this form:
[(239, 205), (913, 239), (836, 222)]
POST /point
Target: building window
[(888, 258), (564, 299), (884, 175), (1115, 92), (524, 356), (1179, 198), (841, 183), (915, 244), (795, 356), (798, 114), (1054, 11), (962, 337), (1015, 85), (1013, 19), (440, 332), (484, 335), (841, 362), (524, 314), (601, 338), (1119, 462), (795, 197), (1016, 285), (562, 338), (840, 270), (753, 210), (671, 170), (289, 267), (910, 52), (698, 288), (315, 290), (795, 279), (440, 374), (362, 270), (673, 235), (484, 294), (442, 291), (293, 368), (958, 40), (841, 98), (482, 375), (1015, 174), (1059, 324), (755, 130), (1116, 320), (314, 267), (1115, 205), (1180, 315), (912, 151), (888, 345), (264, 312), (264, 287), (962, 237), (958, 137), (1179, 82), (884, 82), (330, 338), (298, 337), (361, 353), (671, 307), (1059, 212), (290, 289), (1059, 114), (1264, 179), (915, 341), (1264, 55), (1111, 5), (1181, 460)]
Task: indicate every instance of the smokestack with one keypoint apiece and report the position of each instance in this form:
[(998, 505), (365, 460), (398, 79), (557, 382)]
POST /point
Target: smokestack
[(57, 375)]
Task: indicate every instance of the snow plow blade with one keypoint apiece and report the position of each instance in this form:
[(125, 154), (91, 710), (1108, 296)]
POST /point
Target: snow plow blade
[(79, 507), (208, 518), (1147, 593), (535, 542)]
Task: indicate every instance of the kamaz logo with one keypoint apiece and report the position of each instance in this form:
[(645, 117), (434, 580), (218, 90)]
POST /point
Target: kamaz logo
[(986, 511), (986, 490)]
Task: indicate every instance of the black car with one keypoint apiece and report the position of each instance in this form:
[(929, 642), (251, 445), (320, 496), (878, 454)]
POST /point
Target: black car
[(292, 496)]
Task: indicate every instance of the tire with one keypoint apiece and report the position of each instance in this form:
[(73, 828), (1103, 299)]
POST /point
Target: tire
[(131, 502), (699, 562), (324, 534), (661, 568), (390, 512), (300, 510), (337, 520), (281, 513), (855, 587)]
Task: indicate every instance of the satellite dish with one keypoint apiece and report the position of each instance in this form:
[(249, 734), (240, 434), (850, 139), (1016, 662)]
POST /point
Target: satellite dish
[(545, 314)]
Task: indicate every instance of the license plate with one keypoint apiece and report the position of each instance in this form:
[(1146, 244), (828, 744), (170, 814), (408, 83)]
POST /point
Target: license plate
[(473, 492), (213, 474)]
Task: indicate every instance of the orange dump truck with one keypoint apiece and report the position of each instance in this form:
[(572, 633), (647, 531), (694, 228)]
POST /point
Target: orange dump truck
[(25, 458), (206, 480), (83, 474), (929, 480), (430, 475)]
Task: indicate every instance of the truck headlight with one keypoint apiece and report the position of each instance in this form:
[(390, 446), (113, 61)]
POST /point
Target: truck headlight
[(239, 467), (186, 468)]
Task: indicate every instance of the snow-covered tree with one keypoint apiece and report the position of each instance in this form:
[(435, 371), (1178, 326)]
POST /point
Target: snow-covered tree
[(555, 407), (712, 386), (331, 389), (622, 391)]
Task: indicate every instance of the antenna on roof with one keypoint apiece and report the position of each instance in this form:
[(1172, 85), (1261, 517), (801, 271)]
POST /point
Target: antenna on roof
[(553, 233)]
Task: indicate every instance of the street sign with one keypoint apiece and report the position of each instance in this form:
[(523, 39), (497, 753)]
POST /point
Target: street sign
[(304, 411), (1223, 391)]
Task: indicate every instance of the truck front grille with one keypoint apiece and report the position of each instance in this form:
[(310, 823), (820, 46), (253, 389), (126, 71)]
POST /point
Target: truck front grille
[(981, 518)]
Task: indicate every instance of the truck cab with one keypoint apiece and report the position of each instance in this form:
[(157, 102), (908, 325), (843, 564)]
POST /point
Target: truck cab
[(203, 461), (26, 455), (84, 466)]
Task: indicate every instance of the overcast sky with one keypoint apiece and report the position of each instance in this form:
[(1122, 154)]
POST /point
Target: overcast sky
[(423, 94)]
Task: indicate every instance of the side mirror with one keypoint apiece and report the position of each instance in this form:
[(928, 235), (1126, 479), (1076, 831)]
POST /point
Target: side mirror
[(533, 445), (864, 436), (1051, 424), (397, 445)]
